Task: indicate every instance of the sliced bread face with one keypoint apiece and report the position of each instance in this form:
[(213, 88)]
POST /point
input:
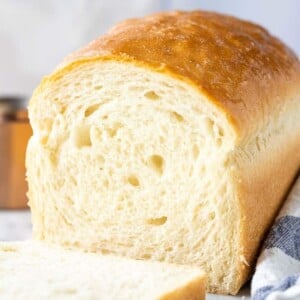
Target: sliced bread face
[(129, 161), (35, 271)]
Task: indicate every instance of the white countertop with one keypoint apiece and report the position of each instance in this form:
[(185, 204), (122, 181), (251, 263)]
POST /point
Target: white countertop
[(16, 225)]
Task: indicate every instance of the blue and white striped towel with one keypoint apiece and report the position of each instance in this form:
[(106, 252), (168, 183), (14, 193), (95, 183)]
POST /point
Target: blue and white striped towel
[(277, 275)]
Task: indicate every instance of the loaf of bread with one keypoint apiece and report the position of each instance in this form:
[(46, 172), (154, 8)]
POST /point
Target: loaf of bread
[(35, 271), (173, 137)]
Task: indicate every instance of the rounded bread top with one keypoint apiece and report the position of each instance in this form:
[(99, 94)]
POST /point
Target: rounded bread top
[(238, 65)]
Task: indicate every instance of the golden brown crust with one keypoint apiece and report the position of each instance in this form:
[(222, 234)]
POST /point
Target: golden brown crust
[(237, 64), (193, 290), (262, 189)]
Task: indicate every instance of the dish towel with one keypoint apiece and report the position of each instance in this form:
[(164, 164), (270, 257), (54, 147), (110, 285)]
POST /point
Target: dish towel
[(277, 275)]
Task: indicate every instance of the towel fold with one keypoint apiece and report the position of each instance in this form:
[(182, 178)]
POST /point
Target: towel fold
[(277, 275)]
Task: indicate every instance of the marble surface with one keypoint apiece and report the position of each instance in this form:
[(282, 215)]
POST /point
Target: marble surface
[(16, 225)]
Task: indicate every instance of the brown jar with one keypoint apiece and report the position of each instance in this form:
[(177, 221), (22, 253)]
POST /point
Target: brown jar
[(14, 135)]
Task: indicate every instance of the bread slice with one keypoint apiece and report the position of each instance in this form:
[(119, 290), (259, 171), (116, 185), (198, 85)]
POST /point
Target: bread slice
[(173, 138), (33, 270)]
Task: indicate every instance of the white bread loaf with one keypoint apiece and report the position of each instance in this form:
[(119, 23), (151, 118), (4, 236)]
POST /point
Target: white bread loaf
[(173, 138), (35, 271)]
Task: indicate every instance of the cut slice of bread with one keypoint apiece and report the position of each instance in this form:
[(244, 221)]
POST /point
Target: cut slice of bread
[(173, 138), (34, 271)]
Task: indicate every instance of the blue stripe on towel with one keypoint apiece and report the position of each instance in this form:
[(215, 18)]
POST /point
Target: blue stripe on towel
[(285, 235), (288, 282)]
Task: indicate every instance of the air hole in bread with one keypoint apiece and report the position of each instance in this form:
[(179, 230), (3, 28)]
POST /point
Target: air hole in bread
[(119, 207), (114, 129), (46, 128), (133, 180), (197, 211), (134, 88), (9, 248), (218, 133), (195, 152), (210, 126), (106, 183), (69, 291), (202, 169), (146, 256), (221, 132), (69, 201), (157, 221), (162, 139), (212, 215), (157, 163), (98, 87), (219, 142), (178, 116), (121, 199), (44, 139), (129, 203), (73, 180), (100, 159), (105, 251), (169, 249), (91, 109), (81, 136), (151, 95), (53, 159), (96, 135), (62, 109)]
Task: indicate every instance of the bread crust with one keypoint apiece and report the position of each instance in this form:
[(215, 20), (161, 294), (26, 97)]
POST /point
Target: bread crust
[(261, 191), (194, 290), (238, 65)]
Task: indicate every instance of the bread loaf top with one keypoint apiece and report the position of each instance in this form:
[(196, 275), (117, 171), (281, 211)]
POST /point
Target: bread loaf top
[(238, 65)]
